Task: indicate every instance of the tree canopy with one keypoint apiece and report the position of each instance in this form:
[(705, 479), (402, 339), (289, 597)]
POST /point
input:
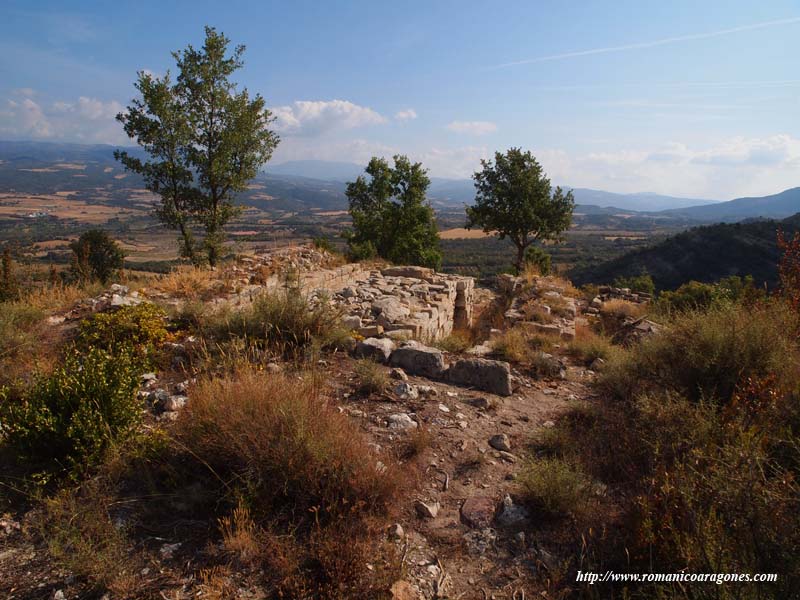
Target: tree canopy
[(391, 215), (205, 140), (514, 199)]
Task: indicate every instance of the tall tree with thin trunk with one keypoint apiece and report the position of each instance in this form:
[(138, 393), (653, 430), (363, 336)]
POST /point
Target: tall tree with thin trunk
[(205, 140), (515, 200)]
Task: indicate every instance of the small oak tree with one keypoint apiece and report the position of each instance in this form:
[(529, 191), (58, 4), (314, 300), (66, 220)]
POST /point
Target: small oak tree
[(514, 199), (205, 141), (391, 216)]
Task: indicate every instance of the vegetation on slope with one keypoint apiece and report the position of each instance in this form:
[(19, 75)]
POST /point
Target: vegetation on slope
[(703, 254)]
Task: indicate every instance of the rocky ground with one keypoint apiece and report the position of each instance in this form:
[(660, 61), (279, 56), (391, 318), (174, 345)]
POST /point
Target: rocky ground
[(462, 531)]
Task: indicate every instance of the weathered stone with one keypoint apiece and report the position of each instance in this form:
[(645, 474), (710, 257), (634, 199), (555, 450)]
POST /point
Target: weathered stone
[(401, 421), (398, 374), (492, 376), (478, 512), (511, 514), (371, 331), (408, 271), (352, 322), (406, 391), (500, 442), (375, 348), (402, 590), (396, 532), (426, 510), (418, 359), (390, 309)]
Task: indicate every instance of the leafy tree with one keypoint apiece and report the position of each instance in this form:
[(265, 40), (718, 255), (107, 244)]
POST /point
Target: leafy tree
[(96, 256), (514, 199), (204, 138), (391, 216)]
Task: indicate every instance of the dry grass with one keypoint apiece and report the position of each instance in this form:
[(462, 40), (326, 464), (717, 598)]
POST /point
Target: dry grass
[(519, 346), (554, 486), (623, 308), (194, 283), (588, 346), (371, 377), (82, 537), (458, 341), (298, 467)]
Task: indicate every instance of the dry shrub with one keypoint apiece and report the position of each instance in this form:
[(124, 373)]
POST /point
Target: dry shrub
[(588, 346), (192, 283), (283, 322), (519, 346), (554, 486), (314, 492), (615, 313), (60, 297), (81, 536), (700, 437), (457, 341), (371, 376), (21, 329), (706, 354)]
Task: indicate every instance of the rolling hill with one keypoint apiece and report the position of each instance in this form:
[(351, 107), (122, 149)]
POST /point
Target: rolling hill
[(776, 206), (705, 253)]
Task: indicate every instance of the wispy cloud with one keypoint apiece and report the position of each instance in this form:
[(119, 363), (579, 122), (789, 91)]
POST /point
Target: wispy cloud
[(408, 114), (650, 44), (472, 127)]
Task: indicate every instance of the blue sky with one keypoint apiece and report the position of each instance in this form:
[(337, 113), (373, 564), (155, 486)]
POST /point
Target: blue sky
[(699, 99)]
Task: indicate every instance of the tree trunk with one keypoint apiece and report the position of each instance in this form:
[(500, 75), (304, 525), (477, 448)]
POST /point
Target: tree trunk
[(520, 258)]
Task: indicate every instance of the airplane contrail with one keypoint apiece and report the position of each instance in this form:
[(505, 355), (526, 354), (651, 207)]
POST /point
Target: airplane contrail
[(650, 44)]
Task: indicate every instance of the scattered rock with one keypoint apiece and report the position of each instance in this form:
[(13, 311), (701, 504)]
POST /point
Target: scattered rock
[(273, 368), (511, 514), (375, 348), (396, 532), (477, 512), (500, 442), (426, 510), (406, 391), (401, 421), (398, 374)]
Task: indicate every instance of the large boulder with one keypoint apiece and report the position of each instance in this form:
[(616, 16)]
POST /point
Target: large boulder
[(418, 359), (492, 376), (376, 348)]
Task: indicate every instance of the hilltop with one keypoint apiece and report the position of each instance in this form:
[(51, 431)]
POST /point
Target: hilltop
[(705, 254)]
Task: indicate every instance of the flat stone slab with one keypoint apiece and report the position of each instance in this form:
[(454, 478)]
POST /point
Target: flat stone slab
[(492, 376), (376, 348)]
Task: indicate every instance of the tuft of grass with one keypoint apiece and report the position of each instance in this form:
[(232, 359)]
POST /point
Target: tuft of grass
[(588, 346), (519, 346), (283, 322), (457, 341), (371, 377), (554, 486)]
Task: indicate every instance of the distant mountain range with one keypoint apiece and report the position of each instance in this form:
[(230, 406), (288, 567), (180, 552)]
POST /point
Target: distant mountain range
[(706, 254), (458, 192), (308, 184)]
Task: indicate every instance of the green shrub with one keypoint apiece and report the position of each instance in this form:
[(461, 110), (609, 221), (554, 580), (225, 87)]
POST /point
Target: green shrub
[(538, 258), (68, 419), (140, 327), (553, 485), (640, 283), (18, 325), (696, 295), (706, 354)]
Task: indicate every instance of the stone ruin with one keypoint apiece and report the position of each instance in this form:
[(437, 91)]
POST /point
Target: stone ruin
[(406, 302)]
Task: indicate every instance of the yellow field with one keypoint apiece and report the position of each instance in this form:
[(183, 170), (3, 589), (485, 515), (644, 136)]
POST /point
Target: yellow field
[(459, 233)]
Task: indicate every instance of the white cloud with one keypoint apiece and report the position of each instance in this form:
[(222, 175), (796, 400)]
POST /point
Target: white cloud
[(24, 91), (315, 117), (472, 127), (85, 120), (409, 114), (731, 168)]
